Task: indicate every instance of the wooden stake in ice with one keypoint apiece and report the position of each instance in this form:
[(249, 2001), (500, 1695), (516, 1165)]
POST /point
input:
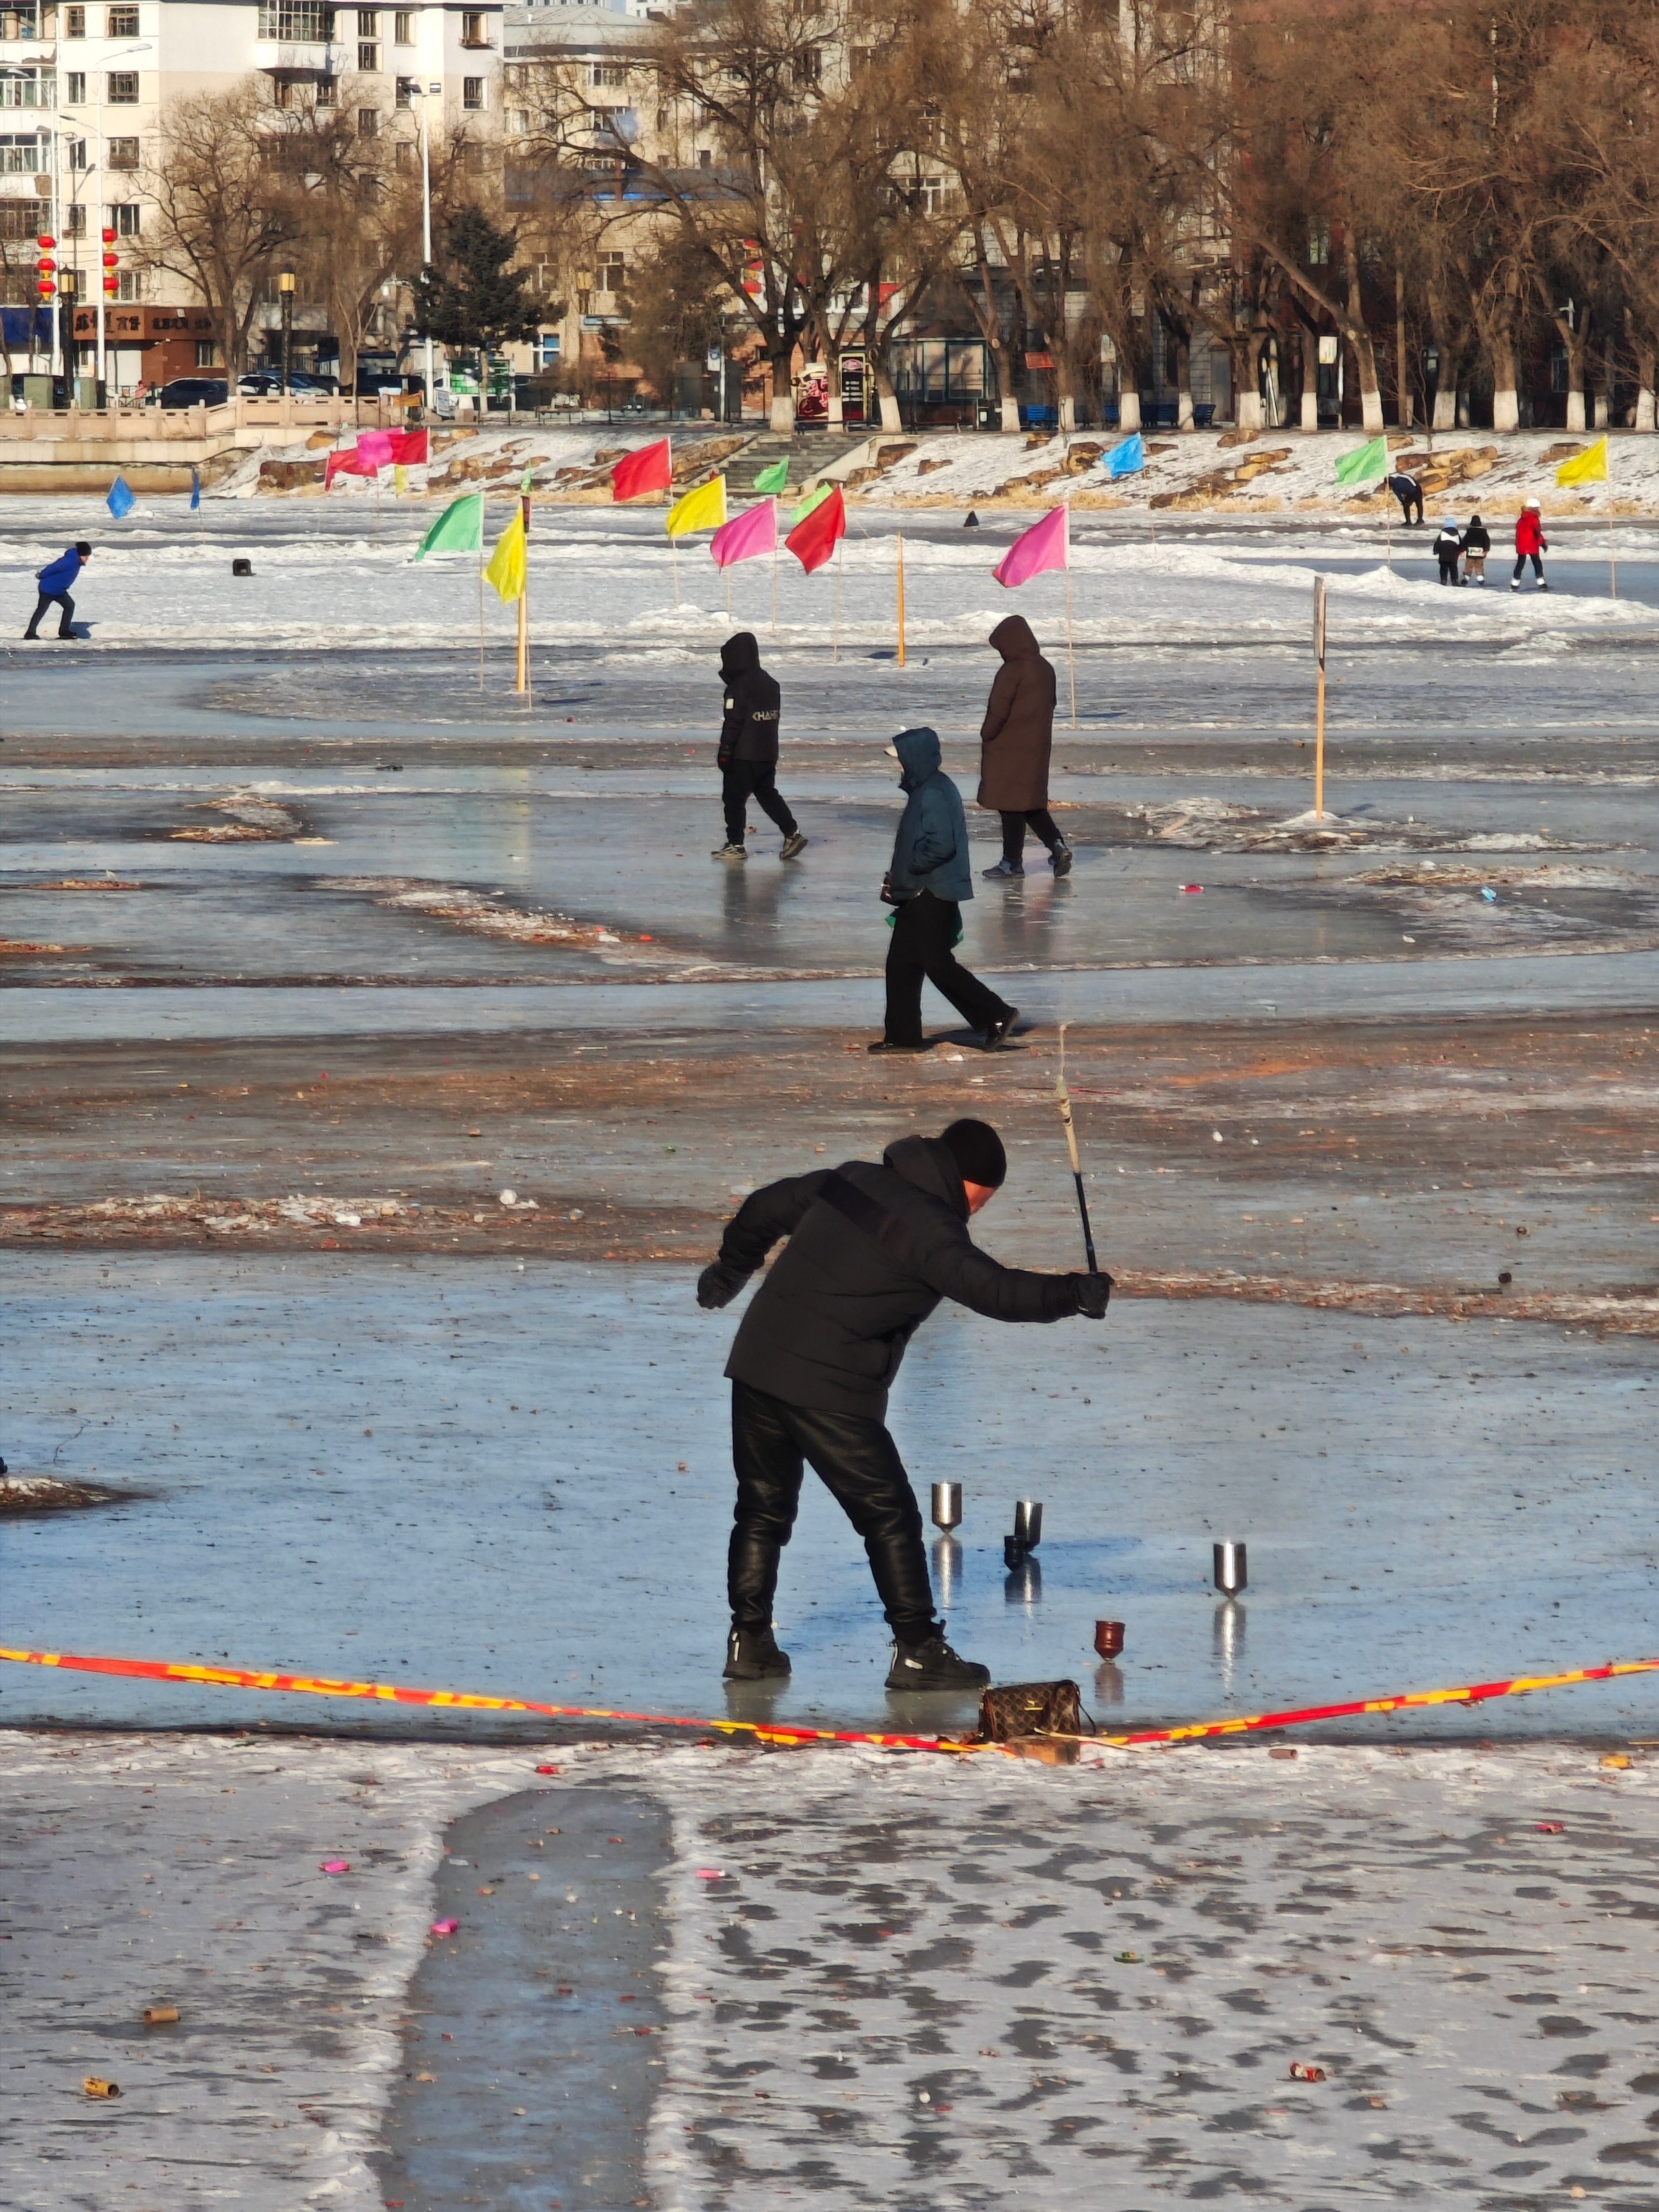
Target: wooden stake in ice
[(900, 599), (524, 600), (1071, 648), (1319, 655)]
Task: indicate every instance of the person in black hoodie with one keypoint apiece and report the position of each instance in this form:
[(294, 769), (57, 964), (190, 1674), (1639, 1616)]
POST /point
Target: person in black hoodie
[(748, 753), (1448, 550), (872, 1251), (1477, 543)]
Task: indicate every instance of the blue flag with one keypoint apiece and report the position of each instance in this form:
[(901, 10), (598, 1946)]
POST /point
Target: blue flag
[(122, 499), (195, 490), (1128, 459)]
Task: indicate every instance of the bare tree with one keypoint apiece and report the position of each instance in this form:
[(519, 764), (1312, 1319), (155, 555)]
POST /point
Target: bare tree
[(225, 208)]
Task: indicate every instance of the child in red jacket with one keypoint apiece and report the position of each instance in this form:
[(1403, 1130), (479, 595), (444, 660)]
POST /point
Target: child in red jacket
[(1530, 542)]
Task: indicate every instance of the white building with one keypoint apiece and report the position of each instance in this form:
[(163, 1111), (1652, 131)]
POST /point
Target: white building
[(83, 87)]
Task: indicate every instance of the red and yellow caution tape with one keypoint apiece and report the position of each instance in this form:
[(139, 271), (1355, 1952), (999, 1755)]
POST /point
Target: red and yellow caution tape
[(248, 1678)]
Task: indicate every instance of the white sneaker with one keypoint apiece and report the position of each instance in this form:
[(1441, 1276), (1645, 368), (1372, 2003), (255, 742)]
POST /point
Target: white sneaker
[(1515, 583)]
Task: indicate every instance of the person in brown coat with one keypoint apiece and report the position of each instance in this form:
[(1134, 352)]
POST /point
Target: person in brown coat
[(1016, 740)]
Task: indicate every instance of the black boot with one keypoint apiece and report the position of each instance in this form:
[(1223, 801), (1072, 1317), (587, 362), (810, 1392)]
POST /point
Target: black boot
[(752, 1655), (933, 1665)]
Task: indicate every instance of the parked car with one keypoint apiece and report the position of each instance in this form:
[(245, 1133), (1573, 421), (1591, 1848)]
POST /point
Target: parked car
[(267, 384), (194, 391)]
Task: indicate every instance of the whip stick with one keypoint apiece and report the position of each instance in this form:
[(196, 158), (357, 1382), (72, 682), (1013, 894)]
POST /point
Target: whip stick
[(1063, 1100)]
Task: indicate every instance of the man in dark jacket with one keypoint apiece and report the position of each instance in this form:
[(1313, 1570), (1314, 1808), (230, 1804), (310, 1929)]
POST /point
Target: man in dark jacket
[(748, 752), (927, 881), (1408, 490), (53, 582), (872, 1251), (1016, 740)]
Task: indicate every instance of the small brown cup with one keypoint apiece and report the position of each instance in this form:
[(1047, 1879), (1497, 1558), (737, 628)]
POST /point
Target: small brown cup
[(1109, 1638)]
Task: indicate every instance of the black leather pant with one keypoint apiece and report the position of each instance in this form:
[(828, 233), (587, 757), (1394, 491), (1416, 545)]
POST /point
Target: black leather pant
[(920, 946), (858, 1462)]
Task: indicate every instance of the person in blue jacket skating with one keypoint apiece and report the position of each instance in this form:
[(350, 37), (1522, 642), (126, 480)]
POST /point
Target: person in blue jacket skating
[(54, 581), (927, 881)]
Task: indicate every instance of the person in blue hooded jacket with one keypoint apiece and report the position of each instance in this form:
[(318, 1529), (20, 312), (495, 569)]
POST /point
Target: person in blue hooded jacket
[(54, 581), (927, 881)]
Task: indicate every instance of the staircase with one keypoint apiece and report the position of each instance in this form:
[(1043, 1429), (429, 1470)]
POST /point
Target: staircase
[(809, 452)]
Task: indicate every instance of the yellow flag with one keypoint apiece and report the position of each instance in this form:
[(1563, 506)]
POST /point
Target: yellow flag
[(701, 509), (507, 564), (1588, 467)]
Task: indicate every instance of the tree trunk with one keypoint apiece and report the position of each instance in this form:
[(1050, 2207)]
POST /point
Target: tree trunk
[(1183, 385), (1008, 404), (1246, 353), (1647, 374), (1505, 403), (1402, 389), (1445, 404), (780, 358), (1129, 409), (892, 419), (1364, 353), (1463, 415), (1307, 348)]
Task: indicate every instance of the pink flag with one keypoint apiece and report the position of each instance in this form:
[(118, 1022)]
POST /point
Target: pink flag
[(1044, 545), (747, 536), (375, 451)]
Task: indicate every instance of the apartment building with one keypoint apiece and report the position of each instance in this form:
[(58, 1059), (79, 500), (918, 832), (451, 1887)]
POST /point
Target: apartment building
[(83, 85)]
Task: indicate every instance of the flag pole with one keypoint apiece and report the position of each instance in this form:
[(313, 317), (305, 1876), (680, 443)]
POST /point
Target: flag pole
[(524, 600), (774, 588), (1613, 562), (836, 654), (900, 599), (481, 620), (1070, 647), (1319, 741), (674, 548)]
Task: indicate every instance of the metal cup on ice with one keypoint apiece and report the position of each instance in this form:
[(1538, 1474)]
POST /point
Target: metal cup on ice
[(947, 1505), (1229, 1571)]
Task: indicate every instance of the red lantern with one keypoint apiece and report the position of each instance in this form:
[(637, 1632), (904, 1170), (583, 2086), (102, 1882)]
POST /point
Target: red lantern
[(109, 238), (111, 285), (46, 264), (45, 289), (46, 245), (112, 261)]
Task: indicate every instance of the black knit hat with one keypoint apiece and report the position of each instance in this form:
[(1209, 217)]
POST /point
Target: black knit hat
[(977, 1151)]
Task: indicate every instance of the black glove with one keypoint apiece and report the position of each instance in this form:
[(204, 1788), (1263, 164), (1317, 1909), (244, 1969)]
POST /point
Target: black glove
[(722, 761), (1092, 1293), (718, 1285)]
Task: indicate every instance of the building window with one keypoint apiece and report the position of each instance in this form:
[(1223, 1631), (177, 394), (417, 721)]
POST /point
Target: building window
[(403, 28), (129, 284), (208, 355), (547, 351), (327, 92), (369, 57), (473, 31), (123, 88), (75, 90), (404, 154), (369, 122), (75, 22), (20, 157), (124, 217), (1319, 245), (612, 269), (120, 152), (472, 91), (123, 23), (705, 158), (75, 223), (518, 122), (78, 154), (406, 91), (610, 73), (368, 22), (297, 22)]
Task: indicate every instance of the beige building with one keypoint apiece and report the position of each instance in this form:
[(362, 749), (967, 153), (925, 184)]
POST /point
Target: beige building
[(83, 84)]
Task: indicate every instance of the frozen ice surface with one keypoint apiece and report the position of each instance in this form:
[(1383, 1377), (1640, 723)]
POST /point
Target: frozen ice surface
[(517, 1479), (937, 1985)]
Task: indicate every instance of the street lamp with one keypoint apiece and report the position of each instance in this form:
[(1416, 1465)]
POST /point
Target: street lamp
[(433, 92), (285, 289)]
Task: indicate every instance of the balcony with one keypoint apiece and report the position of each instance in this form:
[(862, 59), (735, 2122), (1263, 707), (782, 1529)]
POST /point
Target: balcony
[(292, 57)]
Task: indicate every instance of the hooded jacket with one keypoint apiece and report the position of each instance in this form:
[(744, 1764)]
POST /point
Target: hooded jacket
[(930, 853), (1018, 731), (830, 1325), (60, 574), (1448, 542), (749, 731), (1530, 531), (1476, 539)]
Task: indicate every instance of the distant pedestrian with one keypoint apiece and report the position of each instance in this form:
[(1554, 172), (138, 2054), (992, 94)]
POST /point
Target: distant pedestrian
[(748, 753), (1448, 550), (54, 581), (1529, 543), (1477, 543), (1016, 740), (1408, 490), (929, 877)]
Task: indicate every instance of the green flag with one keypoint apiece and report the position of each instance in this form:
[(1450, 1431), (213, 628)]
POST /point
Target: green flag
[(527, 484), (458, 529), (816, 497), (776, 478), (1364, 464)]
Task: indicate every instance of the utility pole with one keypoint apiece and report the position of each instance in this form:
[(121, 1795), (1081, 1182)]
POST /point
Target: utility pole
[(433, 92), (285, 289)]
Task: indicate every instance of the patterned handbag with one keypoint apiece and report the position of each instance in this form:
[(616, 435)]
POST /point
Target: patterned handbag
[(1027, 1708)]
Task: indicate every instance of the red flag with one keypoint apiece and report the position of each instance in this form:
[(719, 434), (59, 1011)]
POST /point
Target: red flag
[(343, 461), (813, 540), (409, 448), (647, 469)]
